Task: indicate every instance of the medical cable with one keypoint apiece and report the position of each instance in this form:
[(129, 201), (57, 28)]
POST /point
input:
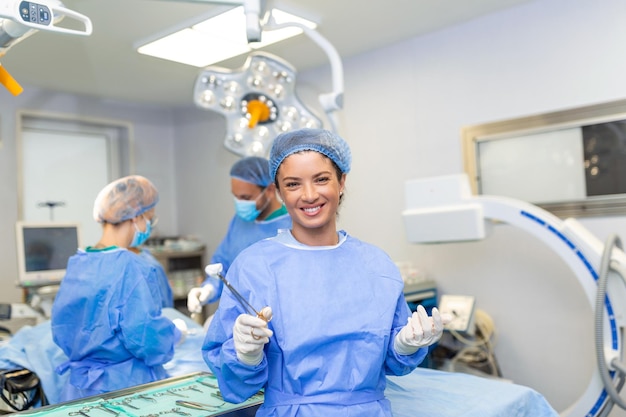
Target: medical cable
[(606, 264), (481, 348)]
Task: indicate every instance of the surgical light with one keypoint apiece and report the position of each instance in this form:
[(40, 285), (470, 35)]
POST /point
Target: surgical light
[(258, 101)]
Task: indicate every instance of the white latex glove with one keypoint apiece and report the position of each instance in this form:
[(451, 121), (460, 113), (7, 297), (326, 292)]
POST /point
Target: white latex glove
[(184, 330), (267, 314), (419, 331), (250, 334), (198, 296)]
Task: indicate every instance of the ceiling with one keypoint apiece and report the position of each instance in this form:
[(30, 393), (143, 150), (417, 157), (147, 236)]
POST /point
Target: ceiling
[(106, 64)]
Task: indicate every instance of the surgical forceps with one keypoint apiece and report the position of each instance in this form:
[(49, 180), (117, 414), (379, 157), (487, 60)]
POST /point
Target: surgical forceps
[(78, 413), (145, 397), (198, 406), (126, 403), (192, 388), (103, 407), (170, 391), (215, 270), (177, 410), (207, 384)]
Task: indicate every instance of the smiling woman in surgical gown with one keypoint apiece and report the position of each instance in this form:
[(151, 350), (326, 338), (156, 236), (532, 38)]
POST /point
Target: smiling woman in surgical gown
[(339, 321)]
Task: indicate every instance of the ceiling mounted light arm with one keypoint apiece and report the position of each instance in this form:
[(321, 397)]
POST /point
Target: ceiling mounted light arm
[(332, 101), (20, 19), (253, 9)]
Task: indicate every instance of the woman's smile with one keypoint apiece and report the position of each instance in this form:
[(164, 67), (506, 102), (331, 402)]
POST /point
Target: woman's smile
[(312, 211)]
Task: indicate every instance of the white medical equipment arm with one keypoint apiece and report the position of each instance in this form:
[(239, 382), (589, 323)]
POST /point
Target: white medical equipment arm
[(443, 209), (20, 19), (332, 101)]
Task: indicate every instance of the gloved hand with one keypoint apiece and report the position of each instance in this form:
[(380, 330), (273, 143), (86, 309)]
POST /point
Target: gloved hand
[(250, 334), (197, 297), (266, 314), (184, 330), (419, 331)]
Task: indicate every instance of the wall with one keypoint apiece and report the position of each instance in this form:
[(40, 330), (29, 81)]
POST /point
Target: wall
[(205, 204)]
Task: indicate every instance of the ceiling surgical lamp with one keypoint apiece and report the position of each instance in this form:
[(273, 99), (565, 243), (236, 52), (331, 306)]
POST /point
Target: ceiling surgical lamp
[(259, 99)]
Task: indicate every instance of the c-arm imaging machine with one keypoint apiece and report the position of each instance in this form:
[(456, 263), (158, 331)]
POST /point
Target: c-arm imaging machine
[(443, 209)]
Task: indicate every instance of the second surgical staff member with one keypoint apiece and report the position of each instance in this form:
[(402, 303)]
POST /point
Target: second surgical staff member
[(107, 314), (340, 321), (167, 295), (258, 215)]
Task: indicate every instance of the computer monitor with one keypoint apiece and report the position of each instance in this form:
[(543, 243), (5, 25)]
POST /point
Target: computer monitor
[(43, 250)]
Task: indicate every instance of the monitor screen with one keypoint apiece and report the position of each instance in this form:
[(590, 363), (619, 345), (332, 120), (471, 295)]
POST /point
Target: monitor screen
[(43, 250)]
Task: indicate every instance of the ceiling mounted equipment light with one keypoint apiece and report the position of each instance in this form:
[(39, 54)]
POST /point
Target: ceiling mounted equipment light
[(258, 101)]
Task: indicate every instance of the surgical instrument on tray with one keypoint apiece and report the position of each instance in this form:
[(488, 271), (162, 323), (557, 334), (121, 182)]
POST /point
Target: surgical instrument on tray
[(197, 406)]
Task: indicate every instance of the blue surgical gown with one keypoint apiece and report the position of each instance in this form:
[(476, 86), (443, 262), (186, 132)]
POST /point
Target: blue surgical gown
[(107, 319), (167, 296), (336, 311), (239, 236)]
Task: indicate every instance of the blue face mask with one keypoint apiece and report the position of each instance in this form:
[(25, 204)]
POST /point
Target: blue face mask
[(246, 209), (140, 237)]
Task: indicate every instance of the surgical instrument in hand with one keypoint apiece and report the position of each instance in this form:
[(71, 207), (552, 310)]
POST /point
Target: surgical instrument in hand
[(215, 270)]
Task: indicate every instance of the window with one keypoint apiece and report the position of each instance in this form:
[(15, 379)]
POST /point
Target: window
[(64, 162), (572, 162)]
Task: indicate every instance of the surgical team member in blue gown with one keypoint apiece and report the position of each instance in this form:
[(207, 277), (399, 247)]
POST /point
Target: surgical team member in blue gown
[(258, 215), (107, 314), (335, 322), (167, 295)]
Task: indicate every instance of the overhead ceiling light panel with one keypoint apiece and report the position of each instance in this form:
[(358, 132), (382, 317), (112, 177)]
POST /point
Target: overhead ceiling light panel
[(258, 101), (195, 48), (218, 38), (192, 48)]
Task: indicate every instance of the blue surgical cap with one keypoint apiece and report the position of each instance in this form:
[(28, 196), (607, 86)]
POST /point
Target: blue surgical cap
[(252, 169), (124, 199), (319, 140)]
